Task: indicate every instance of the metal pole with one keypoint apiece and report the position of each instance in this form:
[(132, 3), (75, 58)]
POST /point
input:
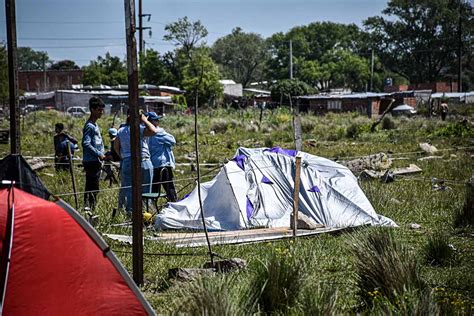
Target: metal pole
[(135, 143), (296, 196), (15, 147), (371, 69), (460, 49), (291, 59), (44, 74), (71, 171), (196, 146)]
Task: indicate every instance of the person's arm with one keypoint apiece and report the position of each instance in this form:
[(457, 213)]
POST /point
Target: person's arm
[(163, 137), (71, 139), (150, 129), (87, 140), (117, 146)]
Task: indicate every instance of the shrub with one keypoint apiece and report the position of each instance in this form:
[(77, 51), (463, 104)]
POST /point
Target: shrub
[(458, 129), (465, 216), (277, 283), (384, 267), (388, 123), (437, 250), (268, 142), (352, 131), (410, 303)]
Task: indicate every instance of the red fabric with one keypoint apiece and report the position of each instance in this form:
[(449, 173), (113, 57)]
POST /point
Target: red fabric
[(56, 268)]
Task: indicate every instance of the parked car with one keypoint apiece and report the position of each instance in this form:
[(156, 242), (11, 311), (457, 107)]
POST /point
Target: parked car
[(78, 111)]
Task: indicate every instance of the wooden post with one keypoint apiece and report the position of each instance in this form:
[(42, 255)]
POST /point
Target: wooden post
[(297, 126), (15, 147), (137, 217), (296, 196), (71, 171)]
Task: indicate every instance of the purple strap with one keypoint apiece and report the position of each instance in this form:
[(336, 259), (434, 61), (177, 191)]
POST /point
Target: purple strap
[(266, 180), (279, 150), (249, 208), (240, 160), (315, 189)]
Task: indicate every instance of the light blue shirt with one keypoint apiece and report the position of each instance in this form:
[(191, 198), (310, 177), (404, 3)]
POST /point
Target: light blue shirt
[(161, 146), (124, 137), (92, 143)]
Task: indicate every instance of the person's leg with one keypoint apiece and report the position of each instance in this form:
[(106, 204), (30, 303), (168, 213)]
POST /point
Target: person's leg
[(126, 175), (156, 186), (94, 177), (169, 185), (147, 176)]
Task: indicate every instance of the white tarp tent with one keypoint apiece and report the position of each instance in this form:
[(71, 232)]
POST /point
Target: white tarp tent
[(255, 189)]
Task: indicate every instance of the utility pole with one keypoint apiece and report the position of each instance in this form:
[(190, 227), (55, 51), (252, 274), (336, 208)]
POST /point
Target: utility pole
[(15, 147), (140, 28), (291, 59), (371, 69), (460, 48), (44, 73), (137, 217)]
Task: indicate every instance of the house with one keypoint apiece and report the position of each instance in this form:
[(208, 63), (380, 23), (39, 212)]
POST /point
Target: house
[(49, 80)]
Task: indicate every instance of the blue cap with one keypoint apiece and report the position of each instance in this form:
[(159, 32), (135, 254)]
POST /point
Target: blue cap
[(152, 116)]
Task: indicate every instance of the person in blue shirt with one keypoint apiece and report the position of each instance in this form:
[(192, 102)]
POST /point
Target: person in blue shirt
[(161, 150), (122, 146), (93, 152), (64, 145)]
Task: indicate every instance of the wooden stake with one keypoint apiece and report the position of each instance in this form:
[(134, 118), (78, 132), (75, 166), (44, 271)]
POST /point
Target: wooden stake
[(296, 195)]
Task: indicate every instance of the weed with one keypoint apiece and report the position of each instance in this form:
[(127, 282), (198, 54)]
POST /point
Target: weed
[(388, 123), (320, 300)]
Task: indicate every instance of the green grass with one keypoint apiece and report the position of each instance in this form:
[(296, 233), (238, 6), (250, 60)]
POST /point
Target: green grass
[(329, 268)]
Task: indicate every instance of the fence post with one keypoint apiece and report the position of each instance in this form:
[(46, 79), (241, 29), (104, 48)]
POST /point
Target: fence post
[(296, 195)]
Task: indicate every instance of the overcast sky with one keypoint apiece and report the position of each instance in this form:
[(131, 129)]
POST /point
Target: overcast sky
[(81, 30)]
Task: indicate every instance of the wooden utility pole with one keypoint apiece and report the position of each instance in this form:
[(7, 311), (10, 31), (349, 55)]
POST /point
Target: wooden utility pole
[(460, 48), (135, 144), (15, 147), (371, 69), (71, 171)]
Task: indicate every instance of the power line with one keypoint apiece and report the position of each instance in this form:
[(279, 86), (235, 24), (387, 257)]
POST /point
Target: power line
[(65, 22)]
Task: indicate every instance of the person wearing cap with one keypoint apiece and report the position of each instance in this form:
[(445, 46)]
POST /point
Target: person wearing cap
[(122, 145), (93, 152), (161, 150)]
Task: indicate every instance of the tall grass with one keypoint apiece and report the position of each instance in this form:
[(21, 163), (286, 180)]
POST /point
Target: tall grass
[(277, 283), (438, 251), (385, 268)]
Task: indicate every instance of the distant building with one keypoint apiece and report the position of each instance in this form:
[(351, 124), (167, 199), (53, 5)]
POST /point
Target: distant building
[(231, 89), (50, 80), (434, 87)]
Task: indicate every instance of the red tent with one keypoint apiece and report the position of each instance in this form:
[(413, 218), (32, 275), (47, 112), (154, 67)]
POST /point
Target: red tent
[(59, 265)]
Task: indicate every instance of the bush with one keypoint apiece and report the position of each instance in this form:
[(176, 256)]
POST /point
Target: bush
[(465, 216), (384, 267), (458, 129), (437, 251), (388, 123), (352, 131)]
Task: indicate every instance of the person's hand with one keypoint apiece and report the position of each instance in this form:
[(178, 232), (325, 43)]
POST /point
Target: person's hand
[(102, 157)]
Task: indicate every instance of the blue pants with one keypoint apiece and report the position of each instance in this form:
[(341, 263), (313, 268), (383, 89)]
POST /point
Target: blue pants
[(126, 175)]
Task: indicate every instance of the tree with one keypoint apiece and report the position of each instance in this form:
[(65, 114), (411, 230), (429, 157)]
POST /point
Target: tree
[(108, 70), (310, 43), (29, 59), (153, 69), (65, 64), (419, 39), (245, 64), (284, 89), (201, 74), (185, 34)]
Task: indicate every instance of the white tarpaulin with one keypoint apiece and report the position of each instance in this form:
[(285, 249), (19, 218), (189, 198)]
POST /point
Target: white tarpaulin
[(255, 189)]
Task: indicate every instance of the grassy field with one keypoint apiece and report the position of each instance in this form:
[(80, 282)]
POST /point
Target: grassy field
[(369, 270)]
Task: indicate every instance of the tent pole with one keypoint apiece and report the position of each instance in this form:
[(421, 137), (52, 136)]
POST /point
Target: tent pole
[(71, 171), (296, 195), (211, 254), (7, 246)]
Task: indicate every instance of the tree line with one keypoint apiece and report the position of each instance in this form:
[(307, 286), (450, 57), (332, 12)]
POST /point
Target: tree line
[(414, 41)]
